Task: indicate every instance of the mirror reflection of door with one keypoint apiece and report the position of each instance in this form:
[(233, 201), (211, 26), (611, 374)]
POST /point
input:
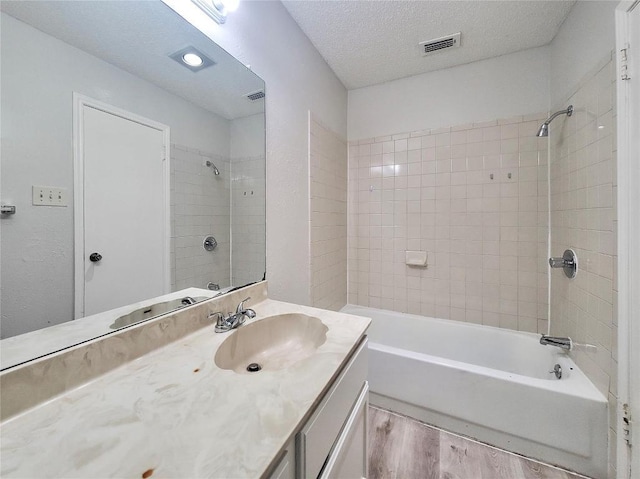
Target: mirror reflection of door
[(124, 235), (94, 49)]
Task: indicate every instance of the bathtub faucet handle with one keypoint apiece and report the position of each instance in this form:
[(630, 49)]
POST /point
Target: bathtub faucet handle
[(557, 370)]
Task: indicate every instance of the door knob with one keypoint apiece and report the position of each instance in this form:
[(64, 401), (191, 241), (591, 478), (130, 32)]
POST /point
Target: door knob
[(95, 257)]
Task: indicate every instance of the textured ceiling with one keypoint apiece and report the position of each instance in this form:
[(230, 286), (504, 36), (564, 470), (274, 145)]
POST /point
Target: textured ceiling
[(137, 36), (371, 42)]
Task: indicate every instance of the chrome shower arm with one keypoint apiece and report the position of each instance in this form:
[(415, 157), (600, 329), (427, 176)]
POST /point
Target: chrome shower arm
[(544, 128), (568, 112)]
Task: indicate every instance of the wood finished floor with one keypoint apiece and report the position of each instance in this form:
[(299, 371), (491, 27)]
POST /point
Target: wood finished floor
[(402, 448)]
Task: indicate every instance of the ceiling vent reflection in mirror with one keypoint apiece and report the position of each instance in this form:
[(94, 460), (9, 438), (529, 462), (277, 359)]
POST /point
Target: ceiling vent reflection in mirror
[(256, 95), (217, 9)]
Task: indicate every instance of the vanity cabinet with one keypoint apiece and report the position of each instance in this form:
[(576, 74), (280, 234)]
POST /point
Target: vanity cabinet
[(320, 402), (333, 441), (332, 444), (349, 456), (285, 468)]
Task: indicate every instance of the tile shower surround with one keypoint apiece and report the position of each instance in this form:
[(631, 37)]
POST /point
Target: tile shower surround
[(200, 205), (583, 218), (475, 197), (328, 220), (248, 208)]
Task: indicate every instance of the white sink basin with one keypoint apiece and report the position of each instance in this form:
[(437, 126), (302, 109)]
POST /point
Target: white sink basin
[(272, 343)]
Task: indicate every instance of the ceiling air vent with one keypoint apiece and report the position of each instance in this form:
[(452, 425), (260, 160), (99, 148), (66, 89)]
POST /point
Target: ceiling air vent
[(255, 96), (439, 44)]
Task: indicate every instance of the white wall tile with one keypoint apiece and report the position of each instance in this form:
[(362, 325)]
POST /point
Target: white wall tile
[(481, 233), (582, 210), (329, 202)]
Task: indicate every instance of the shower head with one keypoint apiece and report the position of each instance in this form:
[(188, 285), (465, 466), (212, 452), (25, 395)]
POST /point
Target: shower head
[(216, 171), (544, 128)]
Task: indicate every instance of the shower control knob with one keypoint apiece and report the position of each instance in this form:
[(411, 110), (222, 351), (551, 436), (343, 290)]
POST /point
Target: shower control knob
[(95, 257), (209, 243), (568, 262)]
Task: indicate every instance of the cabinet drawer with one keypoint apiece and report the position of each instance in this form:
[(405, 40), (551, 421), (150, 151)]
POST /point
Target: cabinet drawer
[(315, 440)]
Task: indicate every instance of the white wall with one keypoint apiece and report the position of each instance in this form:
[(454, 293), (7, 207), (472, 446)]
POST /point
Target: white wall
[(263, 34), (583, 42), (501, 87), (247, 136), (39, 75)]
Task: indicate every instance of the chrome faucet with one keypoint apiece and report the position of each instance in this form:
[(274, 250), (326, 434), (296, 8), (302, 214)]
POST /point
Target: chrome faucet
[(248, 312), (564, 343), (233, 320)]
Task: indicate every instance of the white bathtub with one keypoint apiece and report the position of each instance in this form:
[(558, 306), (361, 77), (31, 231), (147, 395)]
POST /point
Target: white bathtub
[(488, 383)]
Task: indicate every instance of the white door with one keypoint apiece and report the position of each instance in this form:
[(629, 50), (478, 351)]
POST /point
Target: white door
[(124, 251)]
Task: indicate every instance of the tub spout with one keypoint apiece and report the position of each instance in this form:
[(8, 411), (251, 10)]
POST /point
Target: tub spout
[(564, 343)]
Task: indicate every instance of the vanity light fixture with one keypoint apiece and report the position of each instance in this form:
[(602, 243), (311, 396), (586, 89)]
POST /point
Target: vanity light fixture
[(192, 59), (217, 9)]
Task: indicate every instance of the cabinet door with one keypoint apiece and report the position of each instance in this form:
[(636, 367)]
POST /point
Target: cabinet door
[(285, 467), (318, 437), (349, 457)]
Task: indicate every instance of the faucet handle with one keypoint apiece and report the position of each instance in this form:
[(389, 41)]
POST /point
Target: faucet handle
[(218, 315), (240, 307)]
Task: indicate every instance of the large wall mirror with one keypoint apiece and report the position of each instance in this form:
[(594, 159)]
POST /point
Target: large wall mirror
[(133, 173)]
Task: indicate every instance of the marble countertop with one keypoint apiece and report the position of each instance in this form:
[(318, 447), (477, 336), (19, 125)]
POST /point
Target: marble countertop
[(18, 349), (174, 413)]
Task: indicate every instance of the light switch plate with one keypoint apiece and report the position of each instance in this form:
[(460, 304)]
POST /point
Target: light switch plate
[(49, 196)]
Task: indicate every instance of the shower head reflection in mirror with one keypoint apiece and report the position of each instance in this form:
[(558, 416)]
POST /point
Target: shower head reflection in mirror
[(210, 164)]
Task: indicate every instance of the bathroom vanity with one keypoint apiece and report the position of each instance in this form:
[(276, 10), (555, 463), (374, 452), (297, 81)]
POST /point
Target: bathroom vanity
[(332, 443), (156, 398)]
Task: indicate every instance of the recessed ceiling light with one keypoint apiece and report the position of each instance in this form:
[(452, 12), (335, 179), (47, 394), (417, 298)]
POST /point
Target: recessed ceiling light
[(192, 58)]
